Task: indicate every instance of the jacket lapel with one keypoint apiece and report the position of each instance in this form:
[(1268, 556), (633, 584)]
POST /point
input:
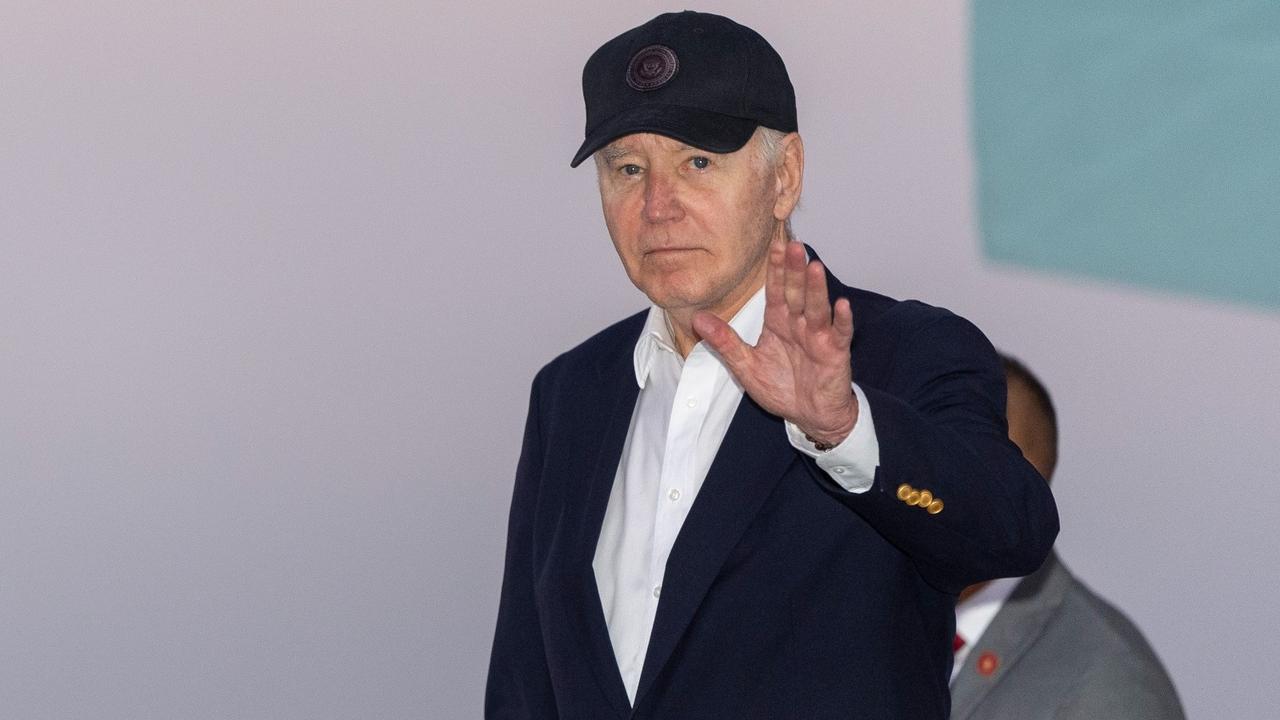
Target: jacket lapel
[(752, 458), (1014, 629), (615, 394)]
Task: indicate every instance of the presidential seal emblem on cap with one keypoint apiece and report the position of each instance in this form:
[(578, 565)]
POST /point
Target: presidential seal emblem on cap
[(652, 67)]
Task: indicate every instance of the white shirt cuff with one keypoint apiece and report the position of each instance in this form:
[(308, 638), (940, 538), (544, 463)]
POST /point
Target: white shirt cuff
[(851, 464)]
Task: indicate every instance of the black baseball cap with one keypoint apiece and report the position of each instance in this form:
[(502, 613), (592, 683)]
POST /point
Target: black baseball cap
[(699, 78)]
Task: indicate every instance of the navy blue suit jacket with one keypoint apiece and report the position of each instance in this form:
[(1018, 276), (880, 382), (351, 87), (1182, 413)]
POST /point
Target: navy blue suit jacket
[(784, 596)]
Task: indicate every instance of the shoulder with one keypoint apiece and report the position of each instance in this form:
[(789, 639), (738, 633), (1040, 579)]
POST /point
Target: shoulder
[(1111, 633), (904, 320), (897, 340), (1117, 670), (582, 364), (1085, 661), (889, 318)]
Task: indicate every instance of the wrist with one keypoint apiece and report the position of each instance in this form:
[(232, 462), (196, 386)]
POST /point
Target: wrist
[(824, 440)]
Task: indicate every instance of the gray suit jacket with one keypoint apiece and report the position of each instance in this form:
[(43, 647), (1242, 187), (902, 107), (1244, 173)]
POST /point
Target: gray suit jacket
[(1062, 653)]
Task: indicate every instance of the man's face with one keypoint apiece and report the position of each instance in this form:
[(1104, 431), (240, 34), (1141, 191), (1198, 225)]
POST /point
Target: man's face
[(692, 227)]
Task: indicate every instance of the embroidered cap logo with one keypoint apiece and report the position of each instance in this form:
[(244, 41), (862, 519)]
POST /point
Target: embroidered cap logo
[(652, 67)]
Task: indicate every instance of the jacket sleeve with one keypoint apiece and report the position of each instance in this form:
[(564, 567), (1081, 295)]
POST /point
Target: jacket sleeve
[(519, 682), (940, 423)]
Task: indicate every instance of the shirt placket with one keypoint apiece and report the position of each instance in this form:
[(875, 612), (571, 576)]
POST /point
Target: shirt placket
[(675, 489)]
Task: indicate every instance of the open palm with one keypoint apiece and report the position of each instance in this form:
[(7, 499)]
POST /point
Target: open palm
[(799, 368)]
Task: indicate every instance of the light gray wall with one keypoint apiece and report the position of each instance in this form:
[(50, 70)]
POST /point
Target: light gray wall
[(274, 279)]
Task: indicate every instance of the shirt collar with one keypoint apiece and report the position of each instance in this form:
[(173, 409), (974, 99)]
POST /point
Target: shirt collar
[(976, 613), (655, 338)]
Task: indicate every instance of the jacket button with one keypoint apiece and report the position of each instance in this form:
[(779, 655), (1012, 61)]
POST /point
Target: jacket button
[(904, 490), (935, 507), (926, 497)]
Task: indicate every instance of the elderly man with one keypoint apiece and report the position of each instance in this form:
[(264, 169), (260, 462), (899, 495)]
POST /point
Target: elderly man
[(1045, 646), (731, 505)]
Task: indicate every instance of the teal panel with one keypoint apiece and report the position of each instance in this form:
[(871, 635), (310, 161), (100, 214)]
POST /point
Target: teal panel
[(1133, 141)]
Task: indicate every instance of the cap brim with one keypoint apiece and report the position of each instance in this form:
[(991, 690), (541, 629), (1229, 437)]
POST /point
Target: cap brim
[(702, 129)]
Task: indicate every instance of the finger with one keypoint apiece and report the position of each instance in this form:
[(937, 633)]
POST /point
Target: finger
[(795, 279), (842, 323), (735, 353), (777, 318), (817, 307), (775, 277)]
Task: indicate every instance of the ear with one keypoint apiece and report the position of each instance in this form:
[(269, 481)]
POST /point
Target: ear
[(789, 176)]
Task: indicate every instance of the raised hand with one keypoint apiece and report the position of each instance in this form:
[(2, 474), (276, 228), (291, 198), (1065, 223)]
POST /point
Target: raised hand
[(799, 369)]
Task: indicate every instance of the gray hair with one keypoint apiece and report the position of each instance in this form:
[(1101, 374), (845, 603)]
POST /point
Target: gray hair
[(771, 154), (770, 145)]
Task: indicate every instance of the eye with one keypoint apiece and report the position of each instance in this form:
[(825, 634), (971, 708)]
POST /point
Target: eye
[(630, 169), (701, 163)]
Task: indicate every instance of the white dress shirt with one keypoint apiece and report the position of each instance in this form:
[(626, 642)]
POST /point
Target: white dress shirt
[(681, 415), (975, 614)]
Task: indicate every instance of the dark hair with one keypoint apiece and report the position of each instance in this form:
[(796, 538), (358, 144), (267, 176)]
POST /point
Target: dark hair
[(1016, 371)]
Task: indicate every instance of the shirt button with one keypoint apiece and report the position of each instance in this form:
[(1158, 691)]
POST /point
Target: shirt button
[(838, 471), (657, 590), (674, 494), (691, 402)]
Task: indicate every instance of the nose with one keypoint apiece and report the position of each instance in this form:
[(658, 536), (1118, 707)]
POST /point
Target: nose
[(661, 203)]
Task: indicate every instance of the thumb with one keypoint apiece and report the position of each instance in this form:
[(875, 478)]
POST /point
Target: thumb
[(724, 340)]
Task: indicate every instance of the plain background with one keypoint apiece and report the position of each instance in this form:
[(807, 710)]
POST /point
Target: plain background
[(274, 279)]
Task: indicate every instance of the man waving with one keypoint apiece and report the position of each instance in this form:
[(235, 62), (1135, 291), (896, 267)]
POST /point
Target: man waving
[(758, 498)]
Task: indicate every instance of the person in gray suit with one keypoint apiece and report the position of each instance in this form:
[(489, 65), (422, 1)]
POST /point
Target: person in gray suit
[(1046, 646)]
